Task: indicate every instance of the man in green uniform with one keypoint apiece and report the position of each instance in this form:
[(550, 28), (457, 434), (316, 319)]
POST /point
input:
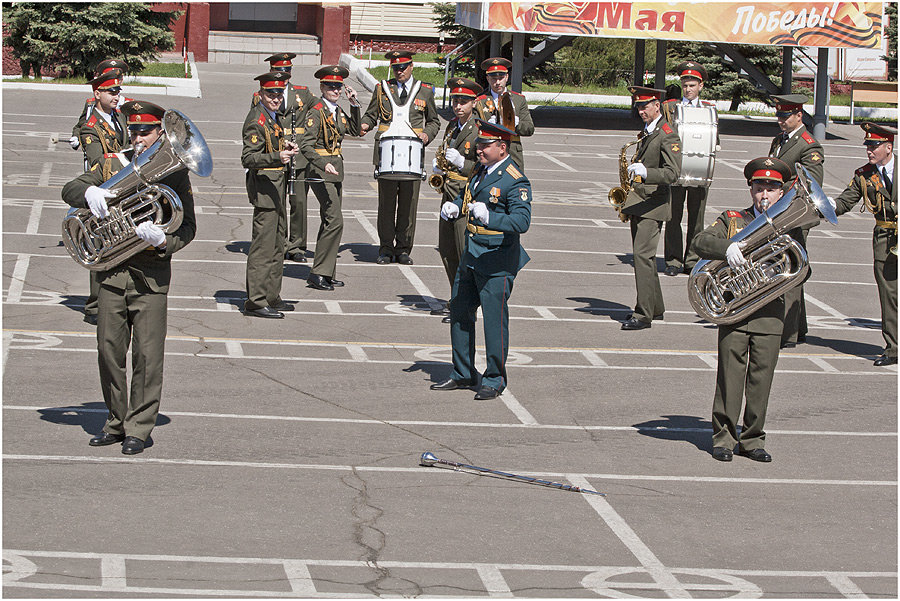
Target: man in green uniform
[(796, 145), (656, 165), (265, 156), (132, 300), (102, 133), (874, 183), (104, 66), (496, 71), (292, 113), (399, 200), (459, 161), (326, 125), (496, 206), (679, 257), (748, 349)]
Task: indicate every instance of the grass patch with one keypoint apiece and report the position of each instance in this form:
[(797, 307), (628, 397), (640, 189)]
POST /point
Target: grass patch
[(77, 81), (150, 70), (164, 70)]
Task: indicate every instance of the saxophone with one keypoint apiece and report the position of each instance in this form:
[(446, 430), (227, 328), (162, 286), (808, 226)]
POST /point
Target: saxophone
[(618, 194), (437, 180)]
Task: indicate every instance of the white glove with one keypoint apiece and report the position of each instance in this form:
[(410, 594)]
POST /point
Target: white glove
[(455, 158), (150, 233), (637, 169), (480, 212), (435, 168), (735, 256), (493, 119), (718, 147), (517, 121), (74, 143), (449, 211), (96, 201)]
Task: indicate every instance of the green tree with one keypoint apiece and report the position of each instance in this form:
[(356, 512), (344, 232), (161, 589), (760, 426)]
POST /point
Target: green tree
[(890, 30), (598, 62), (724, 81), (444, 19), (74, 37)]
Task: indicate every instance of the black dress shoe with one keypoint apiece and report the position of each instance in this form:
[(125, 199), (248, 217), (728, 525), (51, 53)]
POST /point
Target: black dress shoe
[(672, 270), (445, 319), (267, 312), (885, 360), (722, 454), (756, 455), (486, 393), (105, 438), (282, 306), (444, 310), (404, 259), (801, 338), (91, 319), (788, 344), (383, 259), (334, 282), (687, 269), (635, 324), (132, 446), (318, 282), (296, 256), (451, 384)]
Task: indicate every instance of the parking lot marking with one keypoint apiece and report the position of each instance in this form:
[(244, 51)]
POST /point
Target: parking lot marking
[(820, 304), (594, 359), (234, 349), (34, 218), (112, 572), (493, 581), (845, 586), (513, 404), (17, 281), (449, 424), (556, 161), (299, 577)]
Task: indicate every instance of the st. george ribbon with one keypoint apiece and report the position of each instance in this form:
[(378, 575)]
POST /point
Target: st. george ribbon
[(428, 460)]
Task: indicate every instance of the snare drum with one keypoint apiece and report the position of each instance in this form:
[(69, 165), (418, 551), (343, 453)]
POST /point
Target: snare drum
[(697, 126), (400, 158)]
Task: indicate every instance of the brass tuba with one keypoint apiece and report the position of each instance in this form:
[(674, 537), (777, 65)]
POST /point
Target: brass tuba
[(619, 194), (775, 261), (101, 244), (506, 112)]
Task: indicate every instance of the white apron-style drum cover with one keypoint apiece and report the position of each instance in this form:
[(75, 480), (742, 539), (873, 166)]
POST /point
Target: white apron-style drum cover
[(401, 153), (697, 126), (400, 158)]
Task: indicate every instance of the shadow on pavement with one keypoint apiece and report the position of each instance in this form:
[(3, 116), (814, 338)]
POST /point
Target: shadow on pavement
[(595, 306), (90, 416), (684, 428)]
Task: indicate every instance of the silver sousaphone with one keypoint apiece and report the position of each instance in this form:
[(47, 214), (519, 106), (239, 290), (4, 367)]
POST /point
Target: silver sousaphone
[(775, 261), (101, 244)]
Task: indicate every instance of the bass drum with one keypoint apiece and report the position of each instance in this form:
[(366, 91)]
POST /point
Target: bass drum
[(697, 126), (400, 158)]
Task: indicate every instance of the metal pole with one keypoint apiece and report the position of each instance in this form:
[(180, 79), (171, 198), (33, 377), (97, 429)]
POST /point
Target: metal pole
[(660, 81), (820, 119), (787, 69), (518, 61), (639, 47)]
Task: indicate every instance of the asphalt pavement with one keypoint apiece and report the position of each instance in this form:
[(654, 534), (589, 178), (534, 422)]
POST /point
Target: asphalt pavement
[(285, 460)]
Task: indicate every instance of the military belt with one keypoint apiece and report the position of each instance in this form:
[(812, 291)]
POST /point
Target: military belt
[(328, 153), (888, 225), (271, 168), (477, 229)]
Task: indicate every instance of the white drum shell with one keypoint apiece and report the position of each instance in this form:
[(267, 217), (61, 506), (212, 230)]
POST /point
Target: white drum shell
[(698, 128), (400, 158)]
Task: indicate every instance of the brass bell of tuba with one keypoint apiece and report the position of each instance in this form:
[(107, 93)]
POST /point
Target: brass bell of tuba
[(775, 261), (619, 194), (101, 244)]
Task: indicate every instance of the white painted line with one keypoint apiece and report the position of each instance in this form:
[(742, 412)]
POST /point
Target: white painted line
[(594, 359), (112, 572), (34, 218), (494, 583), (845, 586), (357, 352), (428, 470), (334, 307), (44, 178), (17, 281), (421, 288), (830, 310), (7, 338), (602, 223), (225, 306), (546, 313), (663, 577), (301, 580), (555, 160), (366, 224), (710, 360), (449, 424), (824, 365), (516, 407), (234, 348)]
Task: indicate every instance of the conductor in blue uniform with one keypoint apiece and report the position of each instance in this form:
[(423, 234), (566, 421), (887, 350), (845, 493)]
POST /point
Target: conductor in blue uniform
[(496, 204)]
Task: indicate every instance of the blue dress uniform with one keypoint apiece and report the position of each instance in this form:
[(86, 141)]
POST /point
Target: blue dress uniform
[(492, 258)]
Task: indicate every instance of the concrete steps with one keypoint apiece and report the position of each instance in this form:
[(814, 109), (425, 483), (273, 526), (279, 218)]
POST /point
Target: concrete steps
[(239, 48)]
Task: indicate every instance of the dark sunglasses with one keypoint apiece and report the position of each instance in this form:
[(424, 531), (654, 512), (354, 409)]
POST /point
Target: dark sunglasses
[(401, 66), (333, 85)]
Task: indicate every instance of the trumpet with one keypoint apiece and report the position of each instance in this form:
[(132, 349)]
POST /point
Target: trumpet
[(619, 194)]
